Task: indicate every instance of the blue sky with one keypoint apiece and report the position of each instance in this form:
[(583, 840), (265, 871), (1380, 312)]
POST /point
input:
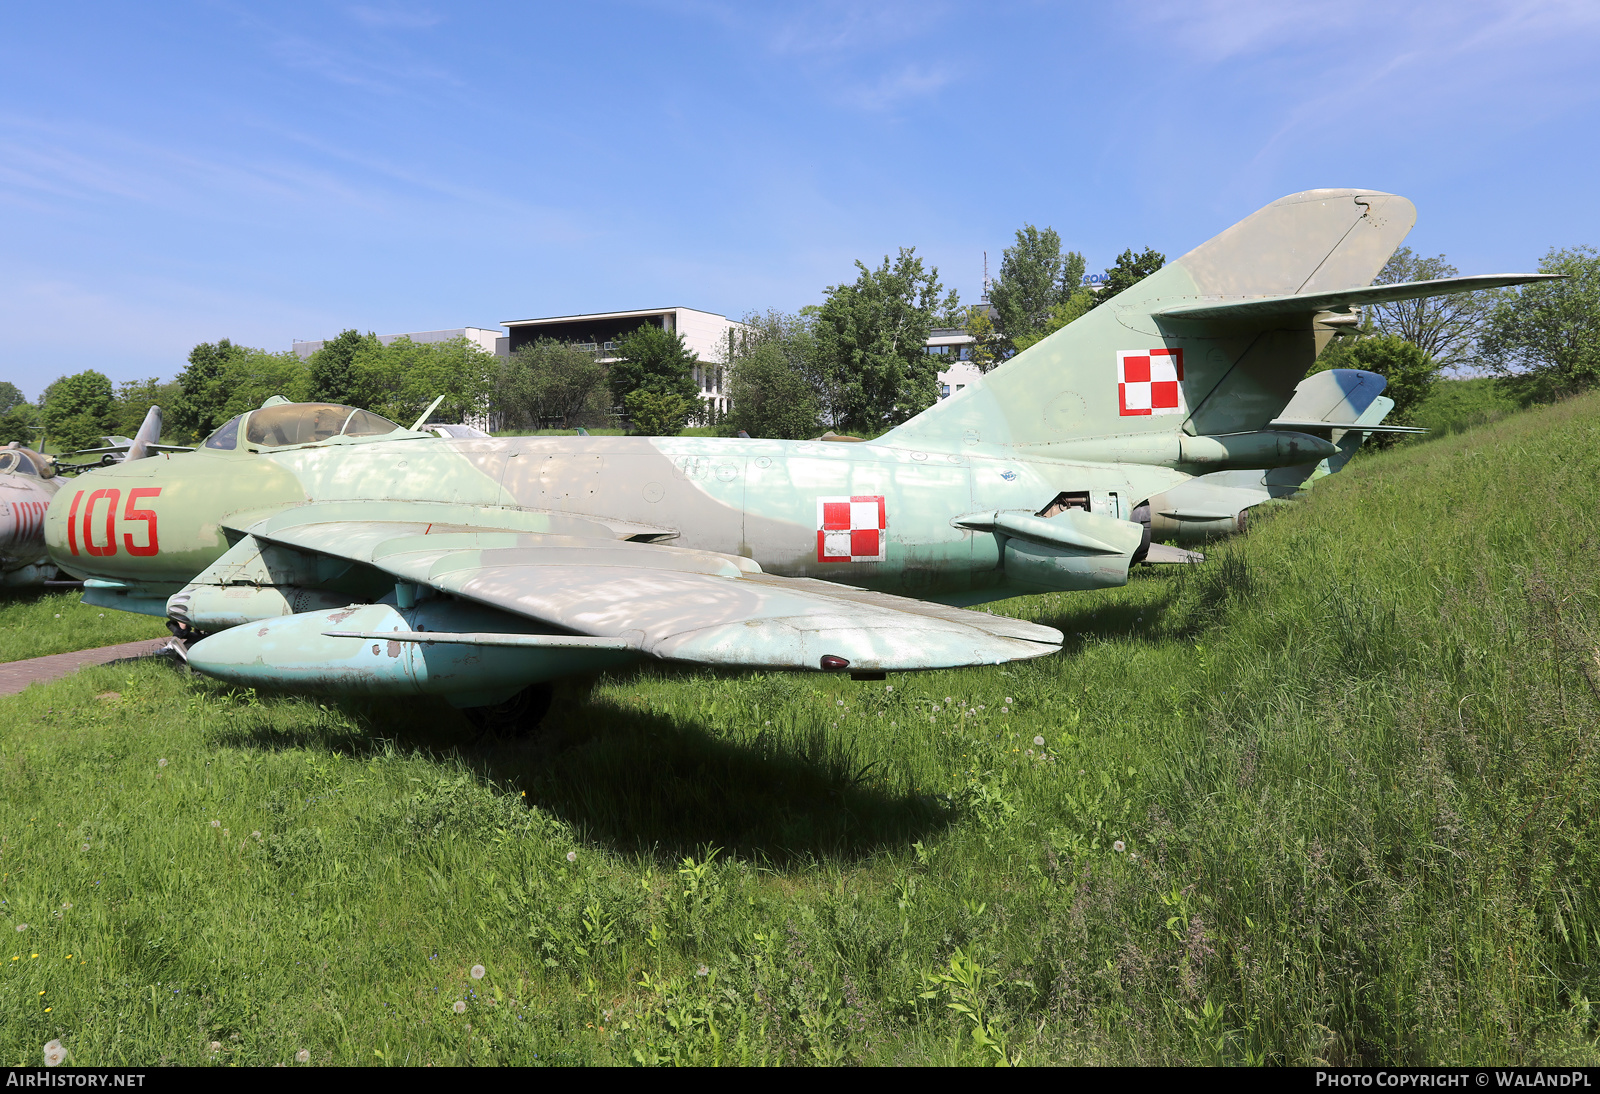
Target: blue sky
[(182, 172)]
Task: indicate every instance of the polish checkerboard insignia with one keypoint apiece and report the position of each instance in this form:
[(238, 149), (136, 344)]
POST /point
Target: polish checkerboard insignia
[(1149, 381), (851, 529)]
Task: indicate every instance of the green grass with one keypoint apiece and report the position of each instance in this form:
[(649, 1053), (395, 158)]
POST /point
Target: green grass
[(1456, 405), (1350, 762), (34, 623)]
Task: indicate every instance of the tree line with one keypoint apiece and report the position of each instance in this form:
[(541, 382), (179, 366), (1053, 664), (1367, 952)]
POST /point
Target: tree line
[(856, 363)]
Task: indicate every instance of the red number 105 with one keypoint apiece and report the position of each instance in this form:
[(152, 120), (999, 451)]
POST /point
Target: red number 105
[(129, 514)]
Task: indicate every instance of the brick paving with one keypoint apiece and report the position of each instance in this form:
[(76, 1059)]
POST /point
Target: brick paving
[(16, 675)]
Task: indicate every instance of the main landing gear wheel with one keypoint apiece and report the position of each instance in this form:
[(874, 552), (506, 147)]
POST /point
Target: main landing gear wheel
[(518, 716)]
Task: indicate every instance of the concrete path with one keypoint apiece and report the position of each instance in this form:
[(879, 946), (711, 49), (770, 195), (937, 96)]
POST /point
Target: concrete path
[(16, 675)]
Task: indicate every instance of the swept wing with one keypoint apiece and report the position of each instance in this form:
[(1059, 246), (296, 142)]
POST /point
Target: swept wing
[(672, 603)]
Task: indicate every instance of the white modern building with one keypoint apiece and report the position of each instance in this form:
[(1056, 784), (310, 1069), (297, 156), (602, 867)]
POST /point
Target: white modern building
[(707, 334), (491, 341), (953, 346)]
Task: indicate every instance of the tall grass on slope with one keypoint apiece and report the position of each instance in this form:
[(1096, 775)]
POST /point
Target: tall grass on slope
[(1330, 796)]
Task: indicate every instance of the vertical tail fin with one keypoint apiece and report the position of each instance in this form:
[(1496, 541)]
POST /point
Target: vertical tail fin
[(149, 434), (1126, 372)]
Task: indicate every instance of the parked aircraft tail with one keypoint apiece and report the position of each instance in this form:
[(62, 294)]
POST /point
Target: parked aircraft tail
[(1194, 365), (149, 434)]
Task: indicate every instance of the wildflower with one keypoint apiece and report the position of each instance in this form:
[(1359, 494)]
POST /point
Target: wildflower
[(1005, 710), (85, 847), (257, 835), (840, 702), (766, 723), (161, 762), (215, 1046), (216, 824), (302, 1057), (68, 904), (58, 615), (701, 971), (102, 615), (1009, 699), (1119, 847), (1133, 854), (1039, 741), (22, 926), (459, 1006), (888, 687), (478, 971), (54, 1051), (572, 856), (1030, 752)]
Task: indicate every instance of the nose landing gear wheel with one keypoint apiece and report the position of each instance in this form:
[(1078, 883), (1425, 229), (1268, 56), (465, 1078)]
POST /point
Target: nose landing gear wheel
[(517, 717)]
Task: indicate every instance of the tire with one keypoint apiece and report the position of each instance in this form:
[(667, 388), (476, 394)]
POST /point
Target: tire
[(517, 717)]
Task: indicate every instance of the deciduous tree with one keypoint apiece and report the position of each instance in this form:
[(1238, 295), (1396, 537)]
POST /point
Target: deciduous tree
[(1543, 340), (1128, 271), (197, 409), (333, 369), (77, 410), (658, 413), (20, 423), (1035, 277), (1446, 328), (654, 359), (770, 396), (551, 383), (400, 379), (871, 335)]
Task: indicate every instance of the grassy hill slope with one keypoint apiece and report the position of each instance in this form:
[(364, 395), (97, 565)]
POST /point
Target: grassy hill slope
[(1330, 796)]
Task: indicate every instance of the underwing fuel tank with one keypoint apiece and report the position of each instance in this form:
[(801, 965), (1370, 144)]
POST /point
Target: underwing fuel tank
[(378, 649), (209, 608), (1071, 551)]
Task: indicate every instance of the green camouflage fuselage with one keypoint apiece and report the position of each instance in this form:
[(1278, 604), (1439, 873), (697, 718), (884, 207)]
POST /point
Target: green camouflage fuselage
[(759, 499)]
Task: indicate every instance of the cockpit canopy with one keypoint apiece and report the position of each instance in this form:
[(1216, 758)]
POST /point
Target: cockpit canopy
[(14, 459), (307, 423), (284, 424)]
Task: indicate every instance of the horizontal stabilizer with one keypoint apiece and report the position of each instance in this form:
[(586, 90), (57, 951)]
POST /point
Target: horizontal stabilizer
[(1283, 423), (1273, 307)]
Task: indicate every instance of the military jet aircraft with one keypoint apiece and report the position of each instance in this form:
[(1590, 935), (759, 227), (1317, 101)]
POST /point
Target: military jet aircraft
[(145, 443), (27, 484), (321, 547)]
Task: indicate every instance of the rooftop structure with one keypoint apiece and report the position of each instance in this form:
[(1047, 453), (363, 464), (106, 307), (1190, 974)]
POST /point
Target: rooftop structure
[(953, 345), (491, 341), (705, 333)]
